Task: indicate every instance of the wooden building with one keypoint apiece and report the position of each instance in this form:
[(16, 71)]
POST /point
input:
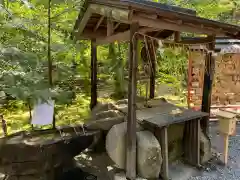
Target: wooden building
[(107, 21)]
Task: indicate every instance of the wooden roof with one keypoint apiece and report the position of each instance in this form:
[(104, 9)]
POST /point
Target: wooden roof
[(220, 42), (109, 20)]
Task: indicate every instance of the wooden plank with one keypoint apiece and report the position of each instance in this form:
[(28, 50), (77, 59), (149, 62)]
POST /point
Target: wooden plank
[(93, 74), (196, 141), (84, 21), (164, 146), (121, 36), (131, 120), (207, 86), (225, 114), (158, 23)]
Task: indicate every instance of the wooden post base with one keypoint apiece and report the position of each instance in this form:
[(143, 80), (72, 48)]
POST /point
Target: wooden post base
[(225, 151)]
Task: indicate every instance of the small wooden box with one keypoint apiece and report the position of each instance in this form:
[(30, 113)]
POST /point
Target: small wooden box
[(227, 122)]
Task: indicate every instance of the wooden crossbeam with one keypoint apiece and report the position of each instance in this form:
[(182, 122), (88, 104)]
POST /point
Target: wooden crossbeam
[(84, 21), (98, 23), (122, 36)]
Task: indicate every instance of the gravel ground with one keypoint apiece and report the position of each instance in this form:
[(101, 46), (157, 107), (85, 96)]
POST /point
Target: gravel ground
[(216, 171)]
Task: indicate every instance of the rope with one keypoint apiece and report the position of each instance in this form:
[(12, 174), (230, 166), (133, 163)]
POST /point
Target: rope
[(190, 48), (169, 42)]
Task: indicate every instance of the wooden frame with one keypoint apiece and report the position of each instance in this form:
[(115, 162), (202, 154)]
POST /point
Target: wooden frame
[(124, 20)]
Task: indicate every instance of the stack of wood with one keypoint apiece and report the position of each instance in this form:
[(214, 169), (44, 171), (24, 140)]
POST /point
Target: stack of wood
[(226, 89), (196, 78)]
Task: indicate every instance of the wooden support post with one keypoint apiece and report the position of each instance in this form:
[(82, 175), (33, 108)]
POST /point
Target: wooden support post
[(191, 143), (207, 87), (153, 73), (225, 151), (131, 121), (177, 37), (164, 146), (93, 74)]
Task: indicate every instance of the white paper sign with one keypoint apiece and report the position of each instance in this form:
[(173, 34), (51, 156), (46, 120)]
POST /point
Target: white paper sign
[(43, 113)]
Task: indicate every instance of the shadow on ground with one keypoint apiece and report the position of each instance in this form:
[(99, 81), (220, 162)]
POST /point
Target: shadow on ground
[(217, 171)]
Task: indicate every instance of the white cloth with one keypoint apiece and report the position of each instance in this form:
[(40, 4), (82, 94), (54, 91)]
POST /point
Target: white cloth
[(43, 113)]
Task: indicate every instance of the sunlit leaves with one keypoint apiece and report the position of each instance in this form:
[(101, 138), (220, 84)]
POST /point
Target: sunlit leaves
[(24, 76), (211, 9)]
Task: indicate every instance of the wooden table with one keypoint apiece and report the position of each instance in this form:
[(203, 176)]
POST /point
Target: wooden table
[(160, 117)]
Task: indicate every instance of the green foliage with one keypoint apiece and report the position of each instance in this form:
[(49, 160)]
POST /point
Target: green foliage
[(23, 54), (211, 9), (24, 77)]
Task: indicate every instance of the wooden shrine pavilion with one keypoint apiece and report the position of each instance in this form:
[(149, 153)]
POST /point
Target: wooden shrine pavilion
[(107, 21)]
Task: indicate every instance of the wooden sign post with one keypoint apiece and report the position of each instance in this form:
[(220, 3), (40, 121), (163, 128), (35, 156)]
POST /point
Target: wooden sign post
[(227, 127)]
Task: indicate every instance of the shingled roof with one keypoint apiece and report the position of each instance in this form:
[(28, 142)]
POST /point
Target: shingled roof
[(155, 19)]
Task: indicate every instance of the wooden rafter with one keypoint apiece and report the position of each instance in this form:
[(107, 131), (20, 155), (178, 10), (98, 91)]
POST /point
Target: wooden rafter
[(157, 33), (98, 23), (116, 25), (158, 23), (84, 21)]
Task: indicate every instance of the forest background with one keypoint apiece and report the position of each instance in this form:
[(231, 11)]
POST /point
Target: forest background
[(28, 44)]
